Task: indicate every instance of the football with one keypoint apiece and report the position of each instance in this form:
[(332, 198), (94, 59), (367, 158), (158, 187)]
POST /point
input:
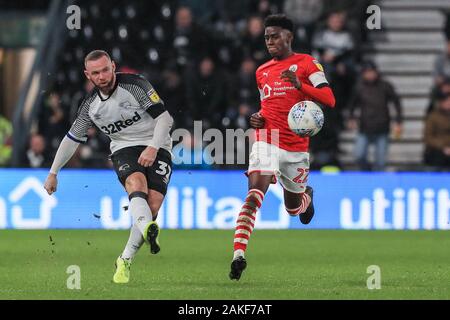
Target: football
[(305, 118)]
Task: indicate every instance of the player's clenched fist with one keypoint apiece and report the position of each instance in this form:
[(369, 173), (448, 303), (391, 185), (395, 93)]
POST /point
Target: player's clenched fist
[(51, 183), (291, 77), (257, 120), (147, 156)]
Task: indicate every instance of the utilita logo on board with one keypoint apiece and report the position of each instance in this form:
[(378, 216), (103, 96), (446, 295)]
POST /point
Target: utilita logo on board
[(403, 209)]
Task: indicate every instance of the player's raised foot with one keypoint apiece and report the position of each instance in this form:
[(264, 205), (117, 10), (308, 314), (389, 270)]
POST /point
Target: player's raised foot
[(306, 216), (152, 233), (122, 274), (237, 267)]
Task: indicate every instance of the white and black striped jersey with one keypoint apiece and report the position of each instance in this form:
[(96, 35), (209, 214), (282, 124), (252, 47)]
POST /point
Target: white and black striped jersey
[(127, 115)]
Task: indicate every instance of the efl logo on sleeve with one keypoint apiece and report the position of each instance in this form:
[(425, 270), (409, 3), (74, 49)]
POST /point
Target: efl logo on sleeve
[(154, 97), (318, 65)]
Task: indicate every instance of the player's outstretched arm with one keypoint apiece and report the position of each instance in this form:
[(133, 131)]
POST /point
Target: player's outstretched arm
[(323, 95), (65, 151)]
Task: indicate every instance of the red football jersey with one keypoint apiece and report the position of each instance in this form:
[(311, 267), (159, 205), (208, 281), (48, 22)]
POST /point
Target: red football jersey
[(278, 96)]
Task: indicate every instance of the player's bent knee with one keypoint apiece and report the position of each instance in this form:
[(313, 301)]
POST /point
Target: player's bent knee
[(136, 182)]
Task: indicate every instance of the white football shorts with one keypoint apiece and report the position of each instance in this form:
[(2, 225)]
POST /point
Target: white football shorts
[(290, 168)]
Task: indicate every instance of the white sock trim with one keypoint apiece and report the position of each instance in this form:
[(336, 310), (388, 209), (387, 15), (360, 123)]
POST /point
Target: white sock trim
[(238, 253)]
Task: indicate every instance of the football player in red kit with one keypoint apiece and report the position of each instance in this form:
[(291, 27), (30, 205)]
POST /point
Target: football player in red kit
[(278, 153)]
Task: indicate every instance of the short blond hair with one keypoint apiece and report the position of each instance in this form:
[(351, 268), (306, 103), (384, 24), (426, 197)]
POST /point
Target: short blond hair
[(95, 55)]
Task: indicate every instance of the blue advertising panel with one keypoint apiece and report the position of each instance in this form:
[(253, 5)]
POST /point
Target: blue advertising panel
[(212, 199)]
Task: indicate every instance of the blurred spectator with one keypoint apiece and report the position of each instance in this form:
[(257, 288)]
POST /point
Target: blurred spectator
[(190, 41), (442, 66), (231, 11), (53, 124), (252, 42), (244, 112), (324, 147), (437, 135), (5, 141), (441, 76), (206, 93), (244, 84), (372, 96), (356, 12), (305, 14), (201, 9), (266, 7), (238, 116), (436, 92), (78, 98), (245, 97), (36, 155), (173, 91), (334, 48), (334, 43)]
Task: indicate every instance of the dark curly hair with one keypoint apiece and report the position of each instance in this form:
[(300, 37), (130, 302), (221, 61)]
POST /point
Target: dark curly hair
[(279, 20)]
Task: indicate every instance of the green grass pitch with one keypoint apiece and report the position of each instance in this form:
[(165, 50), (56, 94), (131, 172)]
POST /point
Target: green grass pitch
[(194, 264)]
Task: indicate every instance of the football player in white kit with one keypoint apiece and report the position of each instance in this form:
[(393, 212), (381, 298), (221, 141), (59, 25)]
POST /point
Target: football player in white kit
[(126, 108)]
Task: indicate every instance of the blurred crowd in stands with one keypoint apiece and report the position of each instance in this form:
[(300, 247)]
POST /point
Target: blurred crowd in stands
[(437, 121), (201, 57)]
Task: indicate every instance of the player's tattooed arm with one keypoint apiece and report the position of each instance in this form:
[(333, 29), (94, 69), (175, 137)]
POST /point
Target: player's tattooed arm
[(291, 77)]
